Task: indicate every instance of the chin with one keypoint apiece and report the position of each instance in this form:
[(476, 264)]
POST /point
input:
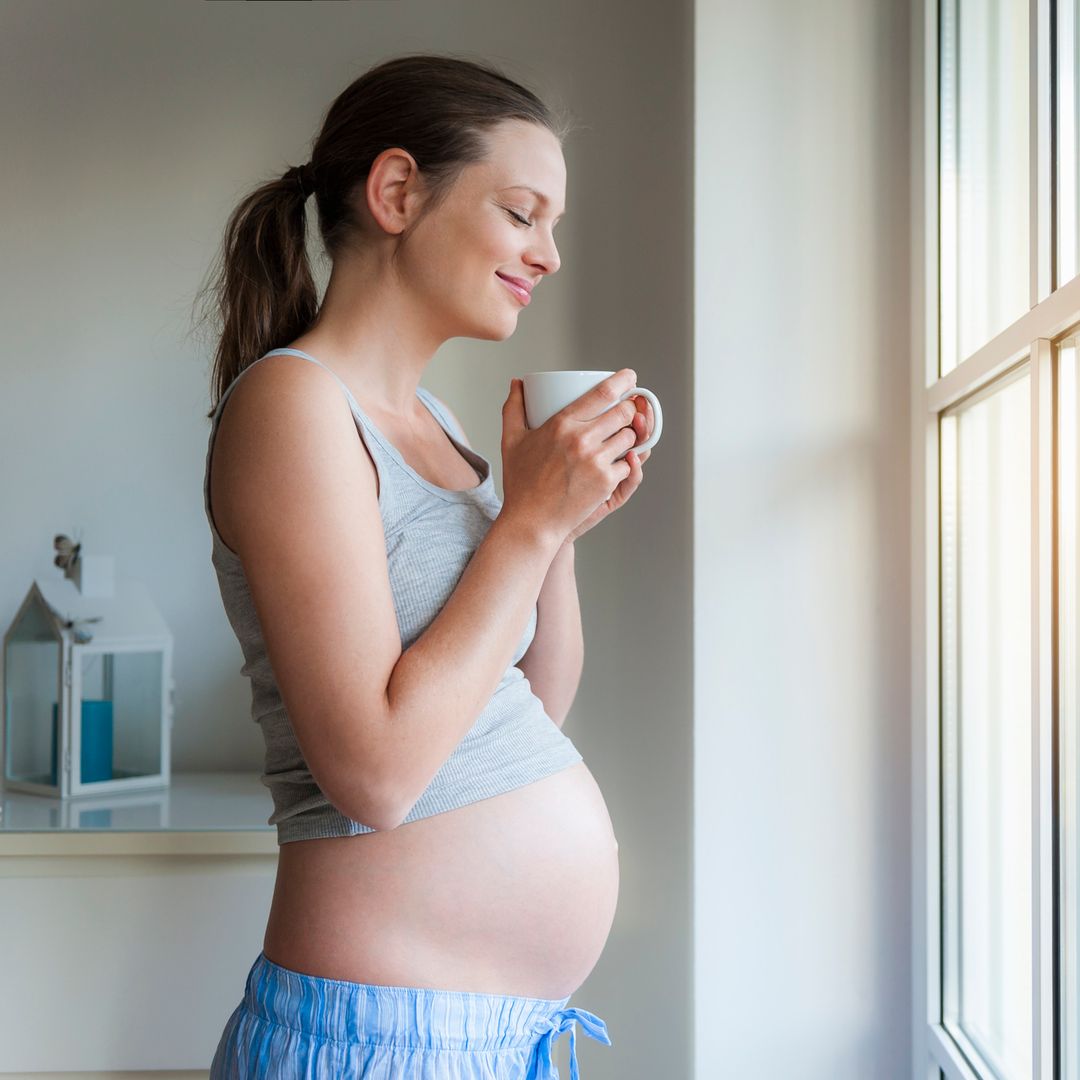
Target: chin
[(493, 329), (508, 330)]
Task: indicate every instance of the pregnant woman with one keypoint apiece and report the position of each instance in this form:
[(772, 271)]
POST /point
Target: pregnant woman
[(447, 871)]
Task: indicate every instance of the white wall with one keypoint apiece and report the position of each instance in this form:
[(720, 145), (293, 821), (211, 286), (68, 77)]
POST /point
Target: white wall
[(131, 131), (801, 564)]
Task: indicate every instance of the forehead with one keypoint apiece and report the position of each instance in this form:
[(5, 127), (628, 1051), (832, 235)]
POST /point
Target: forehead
[(525, 157), (528, 190)]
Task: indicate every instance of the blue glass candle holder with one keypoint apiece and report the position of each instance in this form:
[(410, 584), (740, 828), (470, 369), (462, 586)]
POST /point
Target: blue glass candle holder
[(97, 741)]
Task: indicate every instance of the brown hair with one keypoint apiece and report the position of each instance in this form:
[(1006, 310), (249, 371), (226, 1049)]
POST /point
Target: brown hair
[(436, 107)]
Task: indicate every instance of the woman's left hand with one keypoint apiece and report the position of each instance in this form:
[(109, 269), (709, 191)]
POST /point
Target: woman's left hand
[(643, 426)]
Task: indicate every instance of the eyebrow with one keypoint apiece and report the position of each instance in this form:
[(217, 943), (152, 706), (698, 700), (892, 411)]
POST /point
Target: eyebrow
[(539, 194)]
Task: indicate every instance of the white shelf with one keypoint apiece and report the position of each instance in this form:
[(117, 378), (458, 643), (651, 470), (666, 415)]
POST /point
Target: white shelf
[(210, 813)]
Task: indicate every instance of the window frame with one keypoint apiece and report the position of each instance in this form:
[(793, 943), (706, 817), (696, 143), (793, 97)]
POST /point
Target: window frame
[(1054, 313)]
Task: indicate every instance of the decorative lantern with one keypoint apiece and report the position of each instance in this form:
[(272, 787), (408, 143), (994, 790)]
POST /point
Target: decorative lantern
[(87, 692)]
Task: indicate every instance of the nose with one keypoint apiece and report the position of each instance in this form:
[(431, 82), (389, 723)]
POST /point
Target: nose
[(544, 256)]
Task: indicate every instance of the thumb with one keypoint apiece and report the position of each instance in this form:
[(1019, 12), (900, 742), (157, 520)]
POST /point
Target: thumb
[(514, 407)]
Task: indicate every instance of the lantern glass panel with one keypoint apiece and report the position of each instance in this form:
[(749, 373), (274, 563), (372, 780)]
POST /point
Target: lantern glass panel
[(121, 715), (32, 682)]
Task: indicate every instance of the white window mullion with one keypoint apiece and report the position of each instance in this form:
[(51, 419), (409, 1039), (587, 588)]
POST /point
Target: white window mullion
[(946, 155), (933, 271), (1040, 129), (1066, 401), (950, 1059), (926, 817), (1049, 320), (1042, 690), (1065, 145), (928, 712)]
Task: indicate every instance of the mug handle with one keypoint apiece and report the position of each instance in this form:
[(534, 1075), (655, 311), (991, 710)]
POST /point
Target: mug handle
[(658, 418)]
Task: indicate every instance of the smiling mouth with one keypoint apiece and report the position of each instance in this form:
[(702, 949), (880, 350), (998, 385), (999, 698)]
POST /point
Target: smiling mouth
[(519, 292)]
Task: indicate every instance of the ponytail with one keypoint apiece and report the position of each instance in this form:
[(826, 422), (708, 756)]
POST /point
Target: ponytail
[(263, 286)]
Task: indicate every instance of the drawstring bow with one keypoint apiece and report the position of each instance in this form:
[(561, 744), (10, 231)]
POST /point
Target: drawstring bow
[(550, 1028)]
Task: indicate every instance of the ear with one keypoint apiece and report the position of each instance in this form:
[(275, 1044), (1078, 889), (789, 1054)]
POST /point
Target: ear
[(393, 189)]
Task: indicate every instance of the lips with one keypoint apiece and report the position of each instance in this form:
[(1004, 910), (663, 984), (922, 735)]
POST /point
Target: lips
[(518, 286)]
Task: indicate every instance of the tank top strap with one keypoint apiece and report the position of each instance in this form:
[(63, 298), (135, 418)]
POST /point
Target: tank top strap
[(380, 441), (441, 414), (307, 356), (274, 352)]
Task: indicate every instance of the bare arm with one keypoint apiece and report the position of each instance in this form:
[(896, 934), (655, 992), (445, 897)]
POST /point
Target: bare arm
[(554, 661), (294, 493), (456, 664), (443, 681)]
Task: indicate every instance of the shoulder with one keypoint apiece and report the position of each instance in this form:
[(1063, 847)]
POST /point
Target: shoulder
[(281, 392), (284, 425), (269, 376)]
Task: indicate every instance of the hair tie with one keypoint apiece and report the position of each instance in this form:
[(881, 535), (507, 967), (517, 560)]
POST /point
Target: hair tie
[(303, 177)]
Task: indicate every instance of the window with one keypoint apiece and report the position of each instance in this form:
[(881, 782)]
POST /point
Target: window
[(986, 725), (996, 576)]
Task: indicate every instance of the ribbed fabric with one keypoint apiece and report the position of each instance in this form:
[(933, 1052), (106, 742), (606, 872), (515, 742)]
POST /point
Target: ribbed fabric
[(431, 534), (293, 1026)]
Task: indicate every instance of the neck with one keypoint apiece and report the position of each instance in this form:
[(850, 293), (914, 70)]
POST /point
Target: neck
[(371, 332)]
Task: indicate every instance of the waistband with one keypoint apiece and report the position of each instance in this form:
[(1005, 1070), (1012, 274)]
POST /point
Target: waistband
[(417, 1017)]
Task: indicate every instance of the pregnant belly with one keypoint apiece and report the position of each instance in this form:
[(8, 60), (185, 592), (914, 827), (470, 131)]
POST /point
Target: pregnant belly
[(514, 894)]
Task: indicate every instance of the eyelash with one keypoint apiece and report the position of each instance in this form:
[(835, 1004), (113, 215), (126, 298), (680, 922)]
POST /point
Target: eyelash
[(517, 217)]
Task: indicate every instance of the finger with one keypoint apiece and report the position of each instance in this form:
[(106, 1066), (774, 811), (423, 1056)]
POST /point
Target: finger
[(617, 419), (619, 443), (634, 462), (622, 479), (645, 409), (629, 485), (595, 401)]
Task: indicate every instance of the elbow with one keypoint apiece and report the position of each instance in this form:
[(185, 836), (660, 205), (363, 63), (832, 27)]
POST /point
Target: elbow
[(383, 826), (371, 791), (390, 811), (367, 805), (387, 825), (381, 813), (389, 818), (377, 817), (386, 806)]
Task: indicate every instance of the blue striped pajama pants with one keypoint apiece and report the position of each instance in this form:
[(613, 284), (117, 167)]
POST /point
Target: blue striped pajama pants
[(292, 1026)]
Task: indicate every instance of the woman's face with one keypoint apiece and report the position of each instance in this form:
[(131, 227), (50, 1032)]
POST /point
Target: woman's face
[(491, 227)]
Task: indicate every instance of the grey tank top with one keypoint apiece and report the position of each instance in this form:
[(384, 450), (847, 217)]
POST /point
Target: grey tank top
[(431, 534)]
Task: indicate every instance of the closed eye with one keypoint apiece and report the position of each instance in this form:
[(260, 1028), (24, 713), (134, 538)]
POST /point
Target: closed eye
[(518, 217)]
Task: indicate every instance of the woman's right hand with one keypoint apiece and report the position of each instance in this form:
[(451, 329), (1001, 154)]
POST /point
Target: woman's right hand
[(554, 477)]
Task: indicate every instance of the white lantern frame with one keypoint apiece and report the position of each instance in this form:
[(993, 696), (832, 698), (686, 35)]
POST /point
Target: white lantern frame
[(131, 624)]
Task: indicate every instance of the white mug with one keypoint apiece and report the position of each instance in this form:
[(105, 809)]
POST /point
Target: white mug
[(546, 392)]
